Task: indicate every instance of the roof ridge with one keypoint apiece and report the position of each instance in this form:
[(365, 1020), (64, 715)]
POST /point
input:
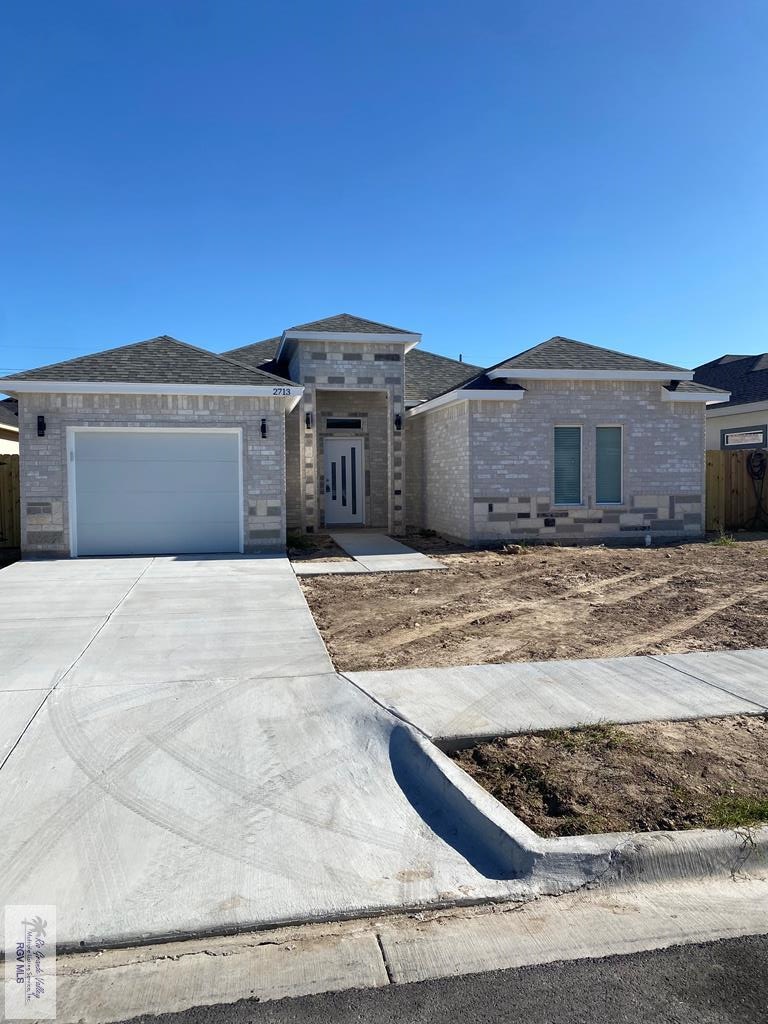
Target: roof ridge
[(586, 345), (351, 316), (439, 355)]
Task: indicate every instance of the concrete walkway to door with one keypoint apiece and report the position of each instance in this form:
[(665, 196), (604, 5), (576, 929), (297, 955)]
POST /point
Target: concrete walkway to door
[(372, 552)]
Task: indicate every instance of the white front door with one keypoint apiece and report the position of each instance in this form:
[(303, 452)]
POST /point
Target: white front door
[(344, 493)]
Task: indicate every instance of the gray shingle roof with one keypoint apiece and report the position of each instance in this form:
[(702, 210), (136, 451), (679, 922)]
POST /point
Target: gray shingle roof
[(257, 353), (746, 377), (346, 323), (691, 387), (160, 360), (566, 354), (9, 412), (426, 374)]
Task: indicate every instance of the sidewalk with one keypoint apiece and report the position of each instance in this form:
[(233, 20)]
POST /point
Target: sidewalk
[(475, 702)]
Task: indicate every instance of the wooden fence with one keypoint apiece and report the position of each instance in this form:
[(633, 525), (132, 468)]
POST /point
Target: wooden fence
[(731, 500), (10, 526)]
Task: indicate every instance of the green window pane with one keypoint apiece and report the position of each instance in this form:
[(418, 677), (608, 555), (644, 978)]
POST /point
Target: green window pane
[(567, 465), (608, 468)]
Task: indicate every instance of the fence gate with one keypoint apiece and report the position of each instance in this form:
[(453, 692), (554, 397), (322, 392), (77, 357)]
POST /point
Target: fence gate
[(737, 493), (10, 524)]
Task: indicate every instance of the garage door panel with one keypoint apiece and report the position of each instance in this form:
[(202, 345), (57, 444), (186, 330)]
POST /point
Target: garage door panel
[(129, 476), (154, 538), (159, 506), (152, 492), (175, 446)]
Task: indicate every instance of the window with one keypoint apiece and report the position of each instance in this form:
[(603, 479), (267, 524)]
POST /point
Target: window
[(608, 465), (567, 465), (745, 437), (343, 423)]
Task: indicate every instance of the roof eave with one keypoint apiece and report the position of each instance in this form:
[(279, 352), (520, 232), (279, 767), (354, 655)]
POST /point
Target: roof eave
[(518, 373), (468, 395), (47, 387), (707, 397), (734, 409)]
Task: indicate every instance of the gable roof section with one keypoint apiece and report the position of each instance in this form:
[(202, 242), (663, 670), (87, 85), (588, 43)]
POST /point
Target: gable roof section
[(346, 323), (161, 360), (566, 354), (746, 377), (426, 373)]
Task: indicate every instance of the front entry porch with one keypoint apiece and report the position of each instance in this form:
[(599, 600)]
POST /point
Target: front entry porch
[(345, 462)]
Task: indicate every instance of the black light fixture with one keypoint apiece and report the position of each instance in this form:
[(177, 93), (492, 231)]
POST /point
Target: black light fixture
[(308, 420), (398, 422), (41, 426), (263, 428)]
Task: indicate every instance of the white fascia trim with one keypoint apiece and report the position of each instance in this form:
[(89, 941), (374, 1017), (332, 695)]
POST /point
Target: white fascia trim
[(512, 373), (467, 396), (690, 396), (735, 410), (48, 387), (8, 426)]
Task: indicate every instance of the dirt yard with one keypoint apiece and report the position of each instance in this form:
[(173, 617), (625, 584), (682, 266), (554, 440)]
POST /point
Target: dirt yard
[(655, 775), (542, 603)]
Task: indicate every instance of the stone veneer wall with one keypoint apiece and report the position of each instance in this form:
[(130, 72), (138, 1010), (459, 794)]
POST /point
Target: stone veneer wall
[(43, 460), (446, 467), (294, 429), (414, 472), (334, 365), (512, 463)]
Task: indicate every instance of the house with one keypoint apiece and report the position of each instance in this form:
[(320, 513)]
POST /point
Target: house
[(741, 422), (164, 447), (9, 427)]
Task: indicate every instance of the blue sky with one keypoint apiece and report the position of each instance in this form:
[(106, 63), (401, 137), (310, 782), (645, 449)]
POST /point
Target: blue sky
[(489, 174)]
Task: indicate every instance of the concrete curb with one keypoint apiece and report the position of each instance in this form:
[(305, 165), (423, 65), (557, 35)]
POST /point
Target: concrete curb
[(97, 988), (556, 866)]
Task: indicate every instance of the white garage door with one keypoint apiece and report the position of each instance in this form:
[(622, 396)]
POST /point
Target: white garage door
[(147, 492)]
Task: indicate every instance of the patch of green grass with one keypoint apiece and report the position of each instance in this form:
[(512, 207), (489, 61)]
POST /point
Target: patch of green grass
[(738, 812), (601, 736), (724, 540)]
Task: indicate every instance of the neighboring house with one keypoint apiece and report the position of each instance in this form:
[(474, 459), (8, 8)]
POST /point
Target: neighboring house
[(9, 426), (163, 447), (741, 422)]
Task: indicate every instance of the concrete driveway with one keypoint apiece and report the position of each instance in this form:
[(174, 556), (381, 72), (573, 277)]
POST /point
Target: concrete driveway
[(180, 757)]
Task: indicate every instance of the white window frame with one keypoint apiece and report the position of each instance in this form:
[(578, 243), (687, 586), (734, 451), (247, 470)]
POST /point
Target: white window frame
[(73, 431), (580, 502), (611, 504)]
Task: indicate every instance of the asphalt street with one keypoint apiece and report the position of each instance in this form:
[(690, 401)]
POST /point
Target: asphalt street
[(714, 983)]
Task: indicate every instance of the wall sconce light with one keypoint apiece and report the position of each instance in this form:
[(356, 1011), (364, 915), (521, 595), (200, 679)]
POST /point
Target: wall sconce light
[(263, 428), (41, 426), (308, 420), (398, 422)]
